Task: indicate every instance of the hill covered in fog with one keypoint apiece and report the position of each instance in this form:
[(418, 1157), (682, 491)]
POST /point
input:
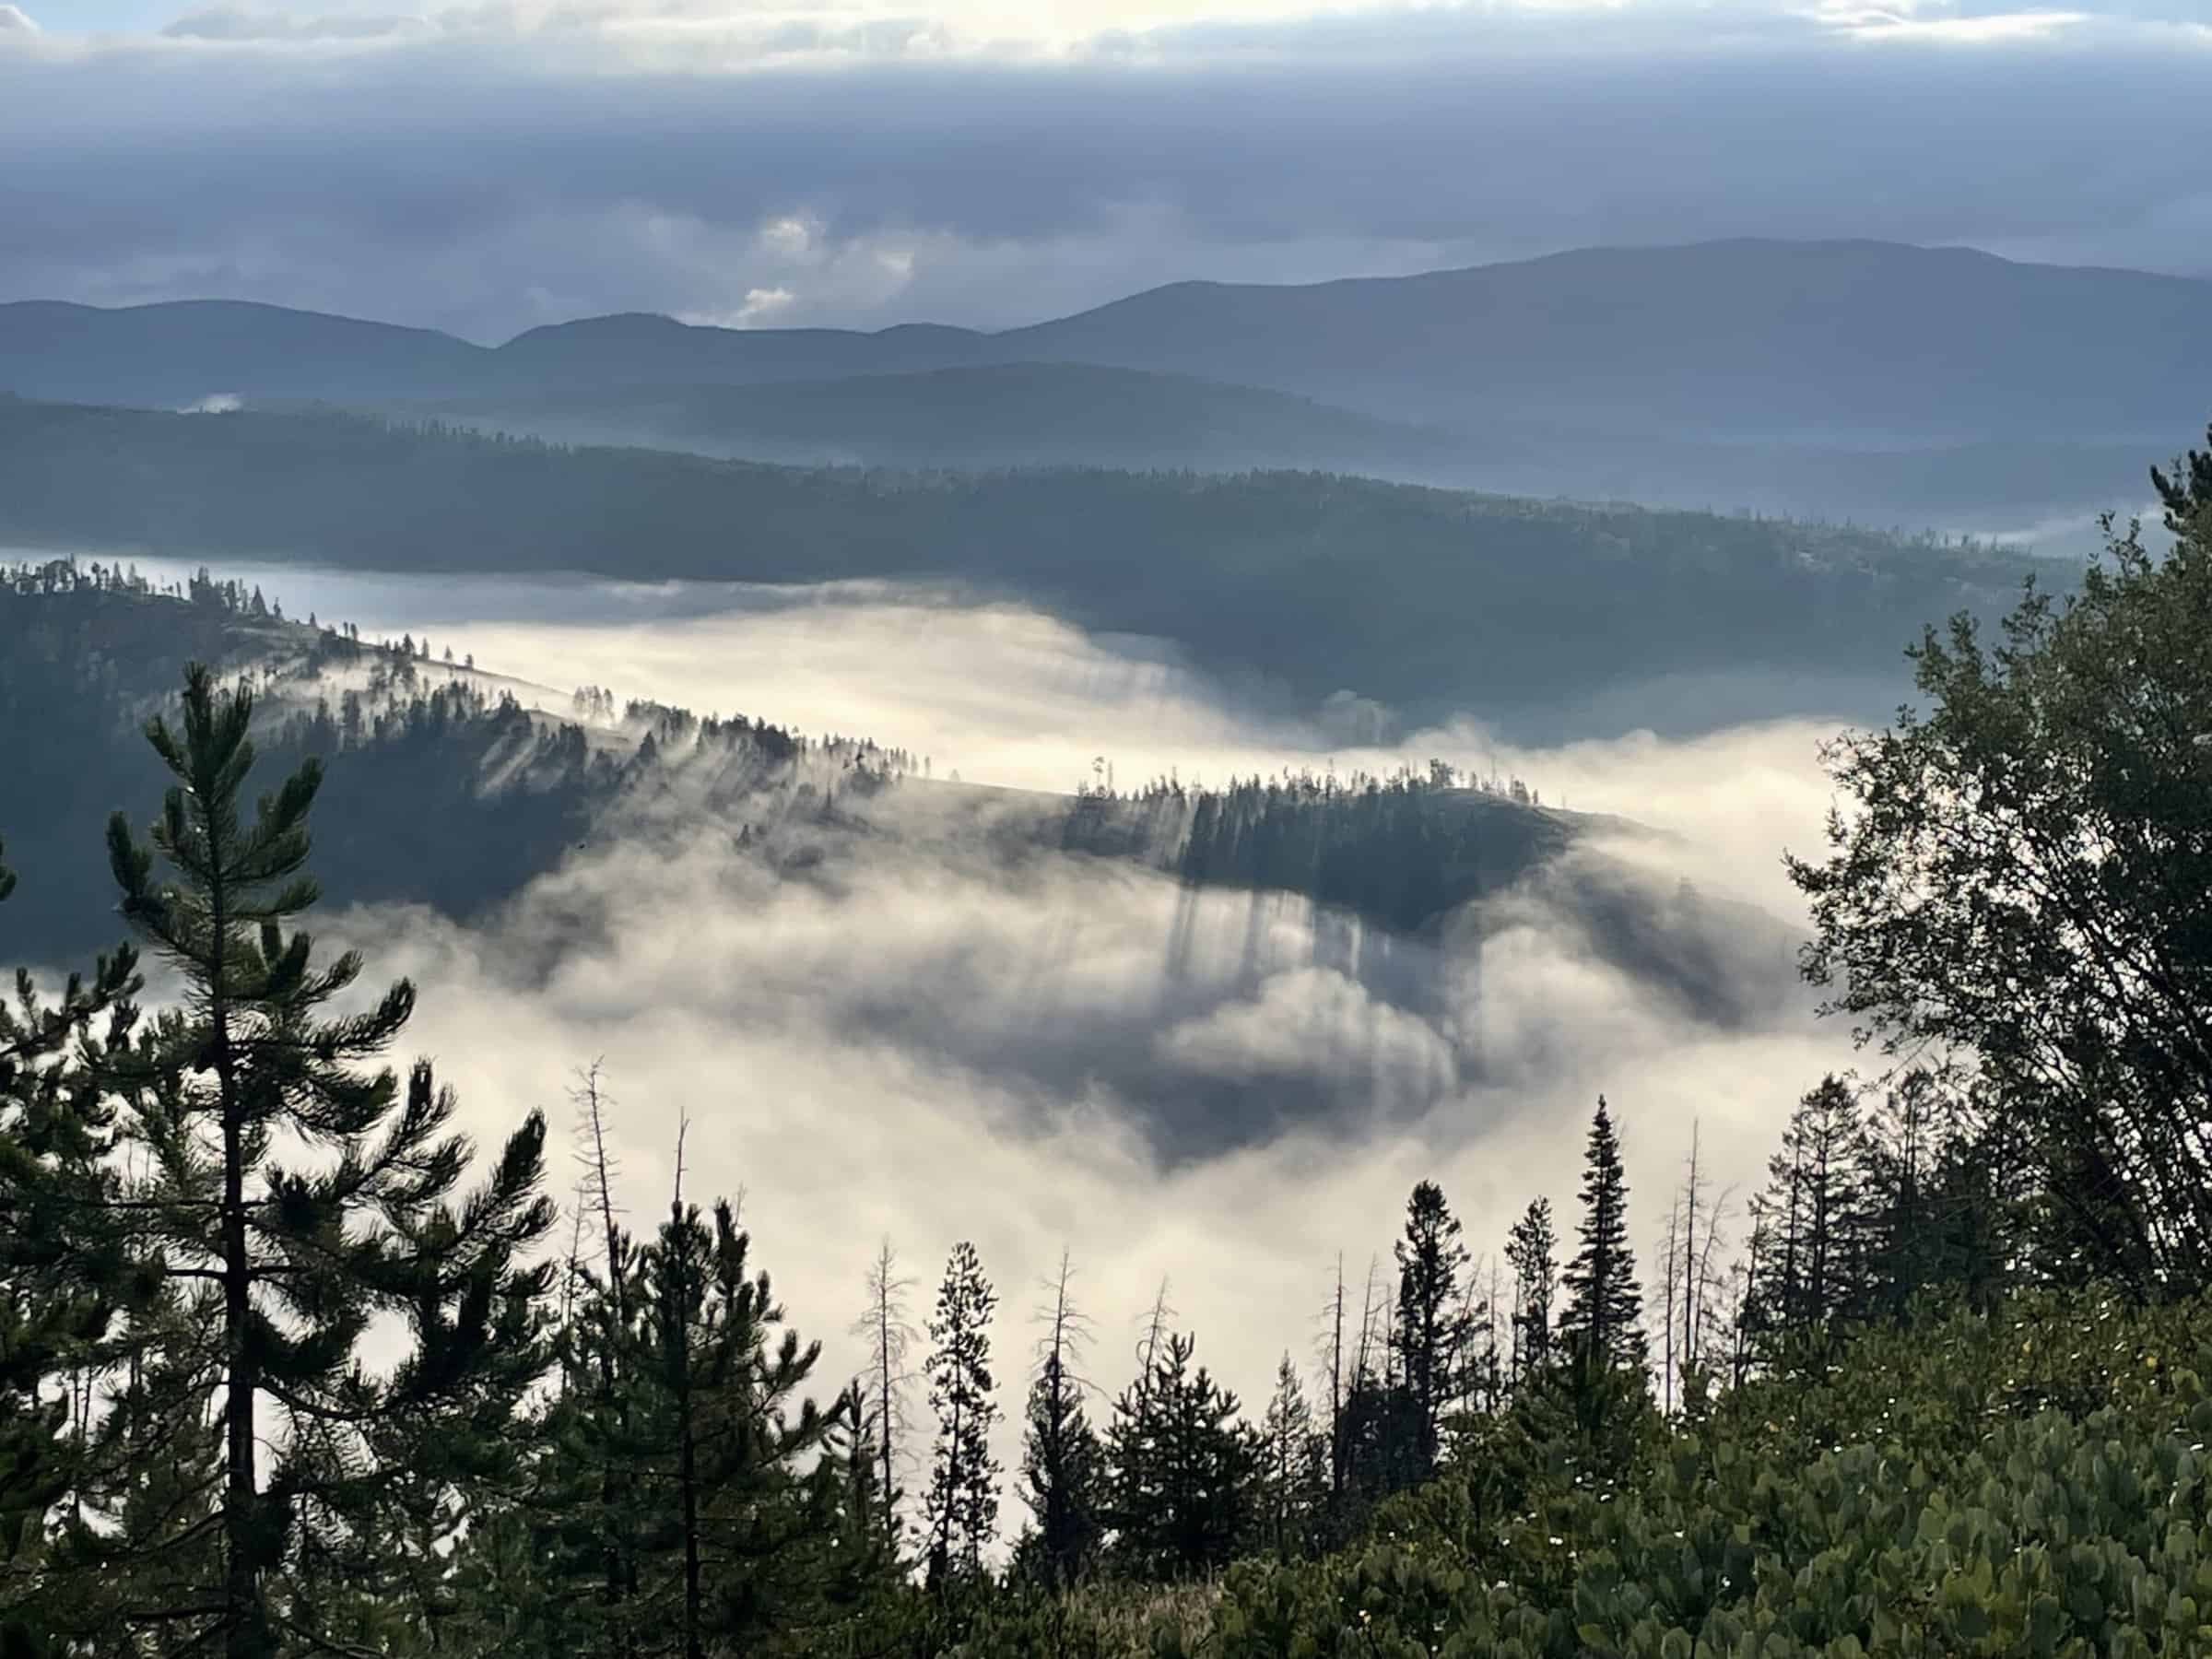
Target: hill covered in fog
[(451, 788)]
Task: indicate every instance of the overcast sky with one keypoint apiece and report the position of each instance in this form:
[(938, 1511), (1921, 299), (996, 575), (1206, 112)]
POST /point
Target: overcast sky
[(487, 167)]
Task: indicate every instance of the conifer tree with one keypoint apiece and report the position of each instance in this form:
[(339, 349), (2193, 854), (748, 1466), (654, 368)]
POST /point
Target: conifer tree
[(1816, 1215), (1605, 1306), (741, 1487), (57, 1301), (283, 1265), (1431, 1329), (1293, 1479), (1182, 1468), (1062, 1463), (961, 1509), (1531, 1251)]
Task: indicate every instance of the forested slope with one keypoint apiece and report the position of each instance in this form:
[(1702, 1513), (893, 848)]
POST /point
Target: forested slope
[(1429, 600), (455, 795)]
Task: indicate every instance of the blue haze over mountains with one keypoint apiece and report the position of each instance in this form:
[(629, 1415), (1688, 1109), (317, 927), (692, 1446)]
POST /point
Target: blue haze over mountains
[(1915, 386)]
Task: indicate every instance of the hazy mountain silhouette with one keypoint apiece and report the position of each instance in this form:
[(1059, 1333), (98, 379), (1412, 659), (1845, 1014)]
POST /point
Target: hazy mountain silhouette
[(1833, 342), (993, 415)]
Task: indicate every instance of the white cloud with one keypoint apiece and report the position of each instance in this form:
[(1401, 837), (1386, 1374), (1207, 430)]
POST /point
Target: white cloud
[(13, 20), (920, 1047)]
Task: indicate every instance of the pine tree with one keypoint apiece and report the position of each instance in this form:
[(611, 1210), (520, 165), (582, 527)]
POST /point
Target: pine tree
[(57, 1302), (961, 1510), (742, 1493), (1062, 1459), (1531, 1251), (1183, 1469), (283, 1268), (1431, 1329), (1815, 1211), (1293, 1479), (1605, 1307)]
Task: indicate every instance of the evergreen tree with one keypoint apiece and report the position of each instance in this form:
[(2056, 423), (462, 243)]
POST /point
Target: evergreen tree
[(282, 1268), (1183, 1469), (57, 1306), (1814, 1211), (1605, 1307), (1532, 1250), (1063, 1462), (1293, 1477), (742, 1493), (961, 1509), (1905, 1140), (1432, 1328)]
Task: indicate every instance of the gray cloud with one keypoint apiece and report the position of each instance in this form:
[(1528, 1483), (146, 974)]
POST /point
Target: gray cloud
[(13, 20), (474, 175), (234, 23)]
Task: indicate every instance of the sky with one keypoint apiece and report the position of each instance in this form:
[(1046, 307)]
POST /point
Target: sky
[(488, 168)]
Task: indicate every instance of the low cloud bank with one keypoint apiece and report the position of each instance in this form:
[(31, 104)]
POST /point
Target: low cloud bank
[(887, 1031)]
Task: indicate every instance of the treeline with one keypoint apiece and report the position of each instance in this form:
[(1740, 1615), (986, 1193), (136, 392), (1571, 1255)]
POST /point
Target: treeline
[(1431, 601), (1400, 850)]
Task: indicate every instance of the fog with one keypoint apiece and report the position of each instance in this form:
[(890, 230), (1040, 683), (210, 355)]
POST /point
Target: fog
[(898, 1037)]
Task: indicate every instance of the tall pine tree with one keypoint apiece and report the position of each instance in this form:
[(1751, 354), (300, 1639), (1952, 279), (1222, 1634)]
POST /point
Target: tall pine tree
[(284, 1266), (1531, 1251), (1605, 1305), (961, 1504), (58, 1299), (1432, 1326), (1063, 1462)]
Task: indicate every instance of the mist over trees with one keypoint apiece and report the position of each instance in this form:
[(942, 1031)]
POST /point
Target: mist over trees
[(286, 1368), (1520, 608)]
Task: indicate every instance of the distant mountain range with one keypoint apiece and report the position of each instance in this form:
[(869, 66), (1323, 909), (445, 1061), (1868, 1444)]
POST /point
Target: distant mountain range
[(1835, 378)]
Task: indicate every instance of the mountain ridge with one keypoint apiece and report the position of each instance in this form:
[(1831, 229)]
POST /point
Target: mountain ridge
[(1742, 337)]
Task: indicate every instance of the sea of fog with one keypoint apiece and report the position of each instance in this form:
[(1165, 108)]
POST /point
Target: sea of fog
[(859, 1054)]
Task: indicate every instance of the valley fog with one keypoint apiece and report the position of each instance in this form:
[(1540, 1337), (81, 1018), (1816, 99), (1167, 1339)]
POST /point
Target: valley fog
[(1028, 1062)]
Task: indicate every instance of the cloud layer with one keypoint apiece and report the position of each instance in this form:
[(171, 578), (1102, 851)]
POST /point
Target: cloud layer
[(900, 1034), (491, 169), (922, 1047)]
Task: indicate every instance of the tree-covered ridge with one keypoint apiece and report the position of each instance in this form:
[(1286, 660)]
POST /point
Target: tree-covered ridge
[(1433, 601), (456, 794)]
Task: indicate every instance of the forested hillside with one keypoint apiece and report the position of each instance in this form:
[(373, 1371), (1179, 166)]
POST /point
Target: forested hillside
[(453, 793), (1432, 601), (989, 417)]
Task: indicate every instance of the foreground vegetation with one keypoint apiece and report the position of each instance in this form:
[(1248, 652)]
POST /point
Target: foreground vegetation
[(274, 1380)]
